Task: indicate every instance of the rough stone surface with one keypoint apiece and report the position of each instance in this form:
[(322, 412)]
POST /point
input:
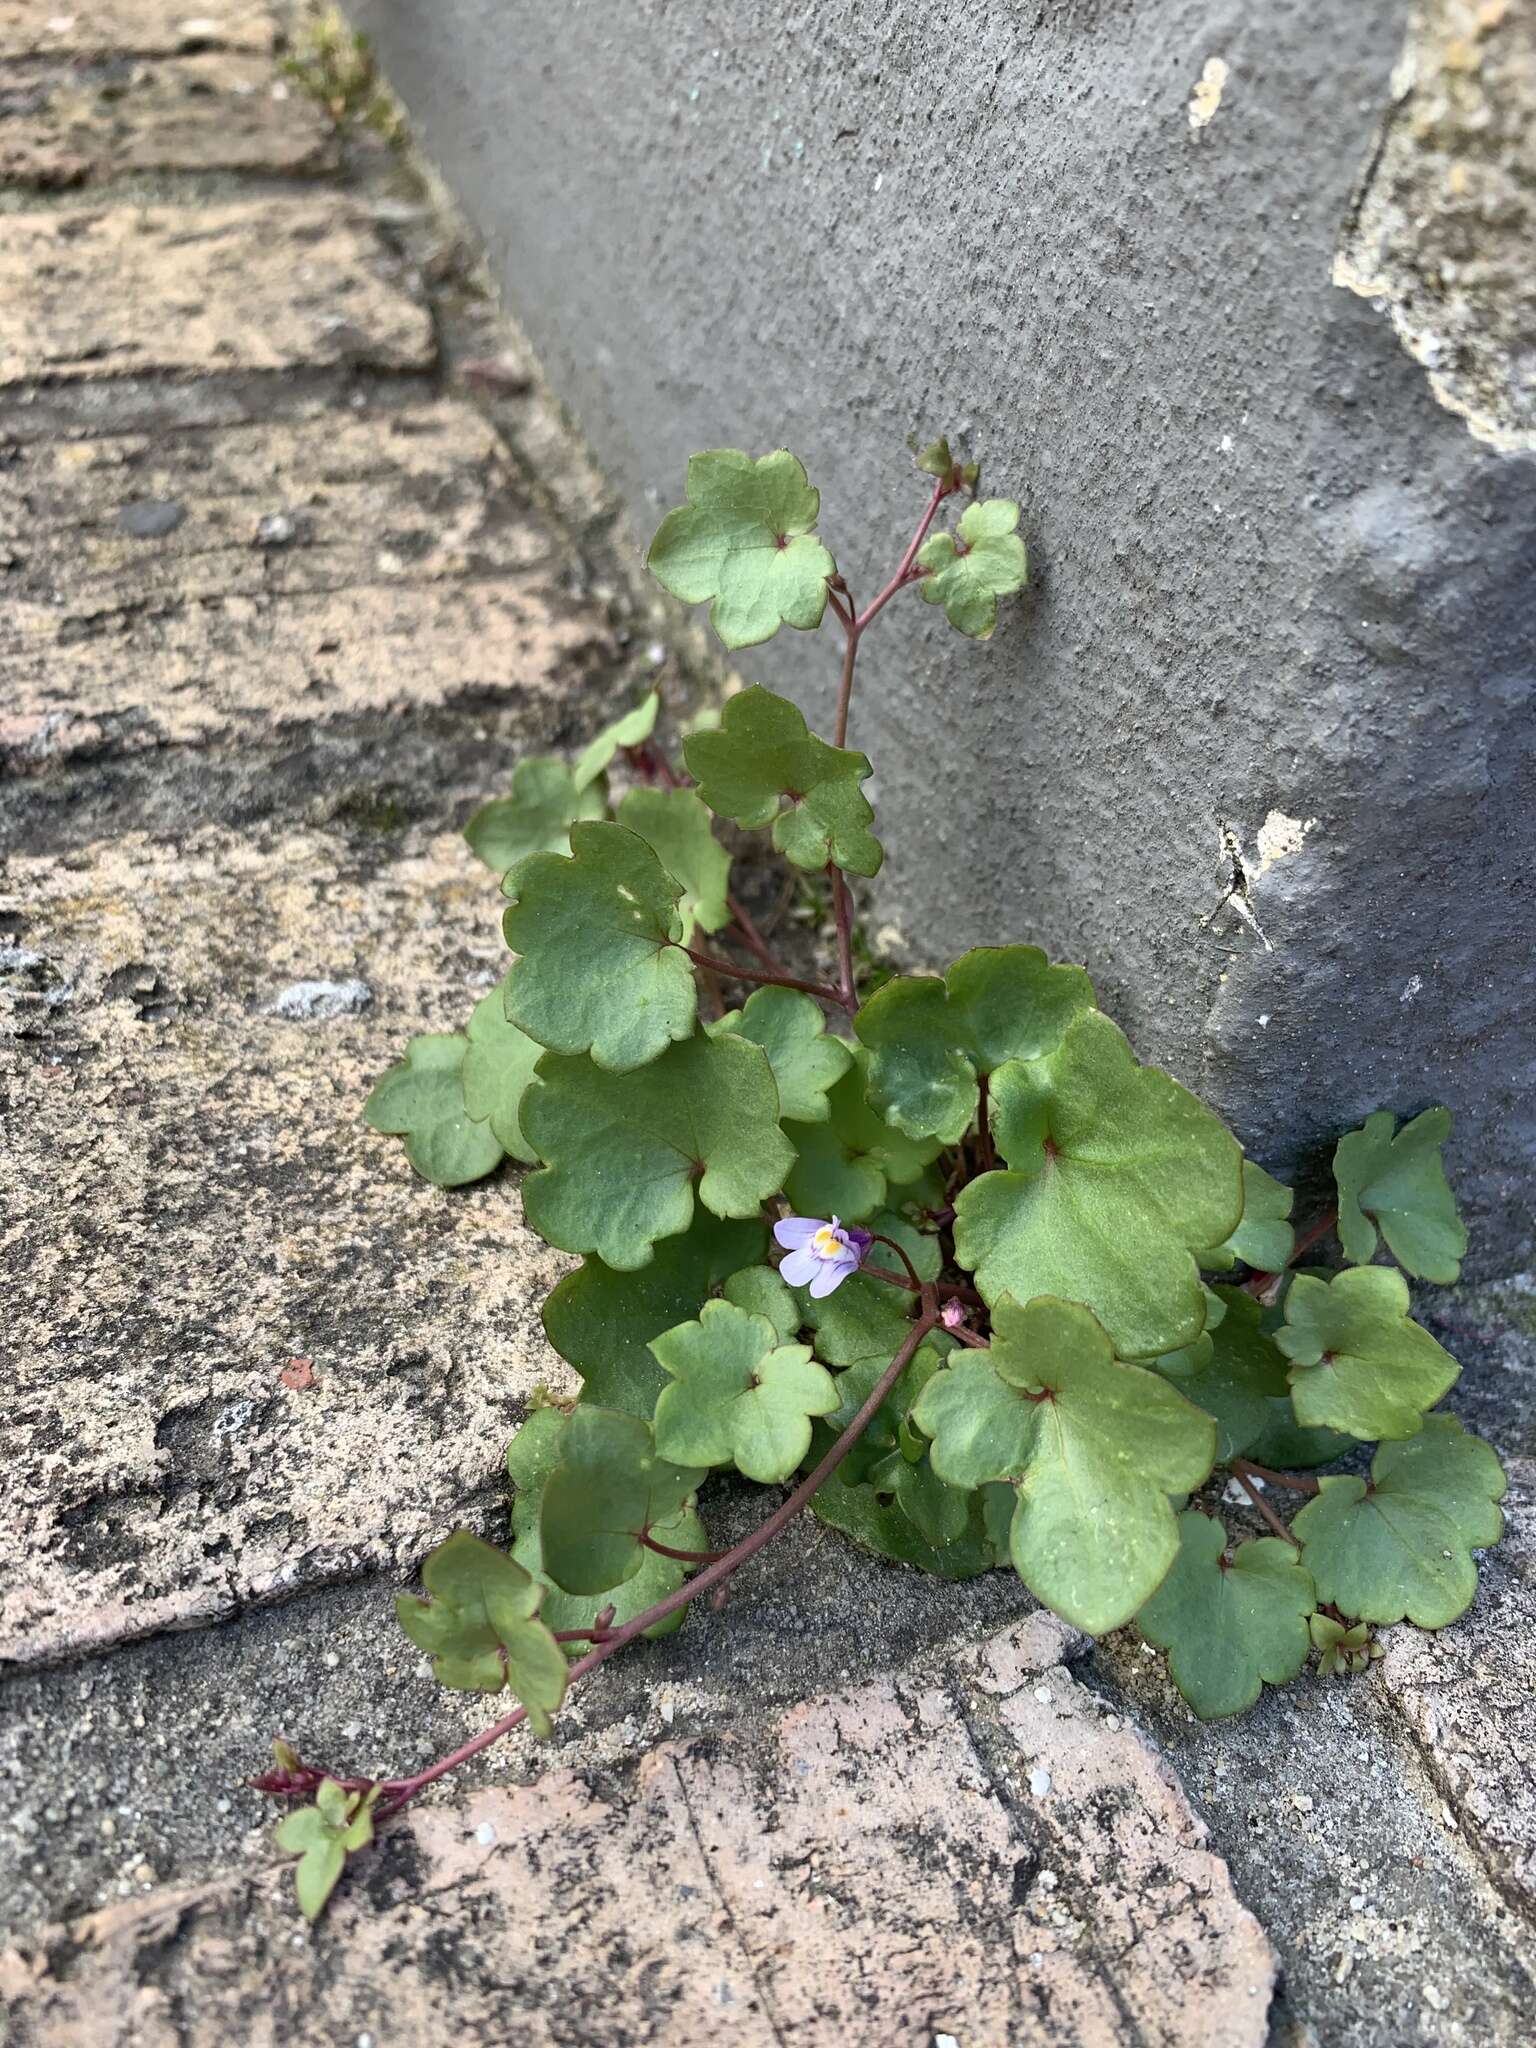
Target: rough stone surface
[(139, 28), (401, 497), (861, 1869), (68, 125), (268, 285), (191, 1201), (1270, 571), (1443, 223), (278, 624)]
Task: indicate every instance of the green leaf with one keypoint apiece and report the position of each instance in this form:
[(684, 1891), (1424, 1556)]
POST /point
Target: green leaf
[(632, 730), (498, 1066), (738, 1396), (608, 1491), (1285, 1446), (1263, 1239), (602, 1322), (1117, 1177), (422, 1100), (875, 1520), (969, 570), (601, 970), (845, 1165), (676, 827), (537, 817), (1343, 1652), (763, 752), (1096, 1446), (940, 1514), (1399, 1184), (626, 1150), (322, 1836), (480, 1627), (1230, 1625), (792, 1030), (1402, 1545), (533, 1454), (745, 543), (1234, 1374), (1357, 1362), (760, 1291), (929, 1039)]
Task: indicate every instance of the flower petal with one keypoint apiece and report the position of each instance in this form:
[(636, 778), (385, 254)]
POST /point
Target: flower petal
[(833, 1272), (796, 1231), (800, 1267)]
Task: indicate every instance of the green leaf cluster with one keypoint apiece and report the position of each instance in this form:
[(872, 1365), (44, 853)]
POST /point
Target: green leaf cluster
[(1133, 1319), (322, 1836)]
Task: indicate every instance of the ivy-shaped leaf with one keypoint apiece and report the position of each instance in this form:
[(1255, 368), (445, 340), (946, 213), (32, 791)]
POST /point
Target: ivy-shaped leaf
[(1402, 1545), (1264, 1238), (480, 1626), (1285, 1446), (936, 461), (632, 730), (1358, 1362), (846, 1165), (626, 1151), (739, 1396), (764, 752), (498, 1066), (1118, 1176), (1096, 1446), (537, 817), (322, 1836), (1398, 1184), (928, 1039), (608, 1492), (533, 1454), (1230, 1625), (1233, 1372), (422, 1101), (676, 827), (598, 931), (760, 1291), (602, 1322), (874, 1519), (969, 570), (745, 543), (792, 1030), (940, 1514)]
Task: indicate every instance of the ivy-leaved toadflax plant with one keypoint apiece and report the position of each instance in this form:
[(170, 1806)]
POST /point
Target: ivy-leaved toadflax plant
[(932, 1255)]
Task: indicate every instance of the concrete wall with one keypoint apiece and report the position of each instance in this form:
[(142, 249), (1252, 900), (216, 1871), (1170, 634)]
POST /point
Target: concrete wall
[(1280, 566)]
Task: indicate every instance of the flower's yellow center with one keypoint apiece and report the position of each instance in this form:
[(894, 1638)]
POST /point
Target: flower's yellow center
[(826, 1244)]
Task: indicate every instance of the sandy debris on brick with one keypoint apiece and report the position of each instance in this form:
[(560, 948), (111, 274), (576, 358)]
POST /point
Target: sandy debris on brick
[(142, 28), (261, 285), (406, 496), (856, 1874), (66, 125), (191, 1201)]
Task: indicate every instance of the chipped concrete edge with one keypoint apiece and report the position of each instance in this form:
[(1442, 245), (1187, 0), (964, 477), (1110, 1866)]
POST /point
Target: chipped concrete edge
[(1437, 223)]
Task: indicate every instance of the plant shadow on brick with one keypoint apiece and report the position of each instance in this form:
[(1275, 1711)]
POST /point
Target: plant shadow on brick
[(943, 1260)]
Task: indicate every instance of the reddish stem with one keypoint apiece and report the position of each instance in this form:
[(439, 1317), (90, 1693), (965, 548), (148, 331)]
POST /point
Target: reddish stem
[(1262, 1505), (398, 1792), (945, 1290), (752, 938), (1296, 1482), (854, 625), (843, 911), (737, 972), (965, 1336), (682, 1556)]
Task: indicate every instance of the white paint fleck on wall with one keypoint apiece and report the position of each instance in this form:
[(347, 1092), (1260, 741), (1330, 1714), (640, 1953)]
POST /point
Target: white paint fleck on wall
[(1206, 97), (1279, 837)]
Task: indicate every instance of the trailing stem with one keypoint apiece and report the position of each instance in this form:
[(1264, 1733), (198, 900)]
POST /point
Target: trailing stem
[(398, 1792)]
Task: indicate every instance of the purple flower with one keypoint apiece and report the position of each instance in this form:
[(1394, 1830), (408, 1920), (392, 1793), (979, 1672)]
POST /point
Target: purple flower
[(821, 1255)]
